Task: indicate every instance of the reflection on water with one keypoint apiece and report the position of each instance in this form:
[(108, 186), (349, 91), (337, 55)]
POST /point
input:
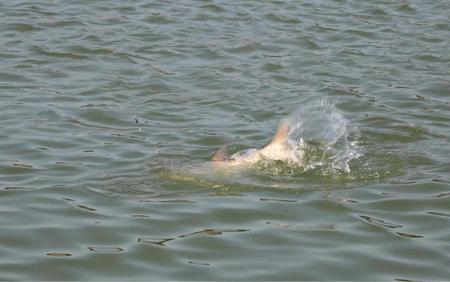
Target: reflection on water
[(105, 249), (328, 226), (379, 222), (59, 254), (110, 112), (209, 231)]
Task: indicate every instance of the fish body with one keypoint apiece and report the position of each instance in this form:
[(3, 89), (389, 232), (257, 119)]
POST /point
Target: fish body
[(317, 126), (276, 150)]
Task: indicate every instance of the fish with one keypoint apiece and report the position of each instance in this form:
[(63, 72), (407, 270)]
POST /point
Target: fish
[(316, 128), (313, 136), (278, 149)]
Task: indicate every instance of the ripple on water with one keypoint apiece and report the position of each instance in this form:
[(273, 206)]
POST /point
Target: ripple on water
[(105, 249), (59, 254), (204, 232), (89, 193)]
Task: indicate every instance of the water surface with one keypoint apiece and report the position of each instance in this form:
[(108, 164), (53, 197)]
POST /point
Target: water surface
[(82, 195)]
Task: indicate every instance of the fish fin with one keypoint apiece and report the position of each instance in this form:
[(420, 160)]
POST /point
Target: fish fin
[(221, 155), (281, 134)]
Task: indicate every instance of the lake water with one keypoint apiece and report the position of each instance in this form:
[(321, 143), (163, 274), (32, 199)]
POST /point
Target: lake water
[(105, 104)]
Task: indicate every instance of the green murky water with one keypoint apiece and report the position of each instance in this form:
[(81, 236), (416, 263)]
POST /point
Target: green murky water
[(86, 193)]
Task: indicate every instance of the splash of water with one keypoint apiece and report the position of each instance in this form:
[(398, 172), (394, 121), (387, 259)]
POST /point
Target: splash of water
[(319, 135), (317, 120)]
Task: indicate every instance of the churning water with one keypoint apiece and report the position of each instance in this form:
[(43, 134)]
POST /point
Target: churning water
[(320, 132), (110, 112), (327, 149)]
